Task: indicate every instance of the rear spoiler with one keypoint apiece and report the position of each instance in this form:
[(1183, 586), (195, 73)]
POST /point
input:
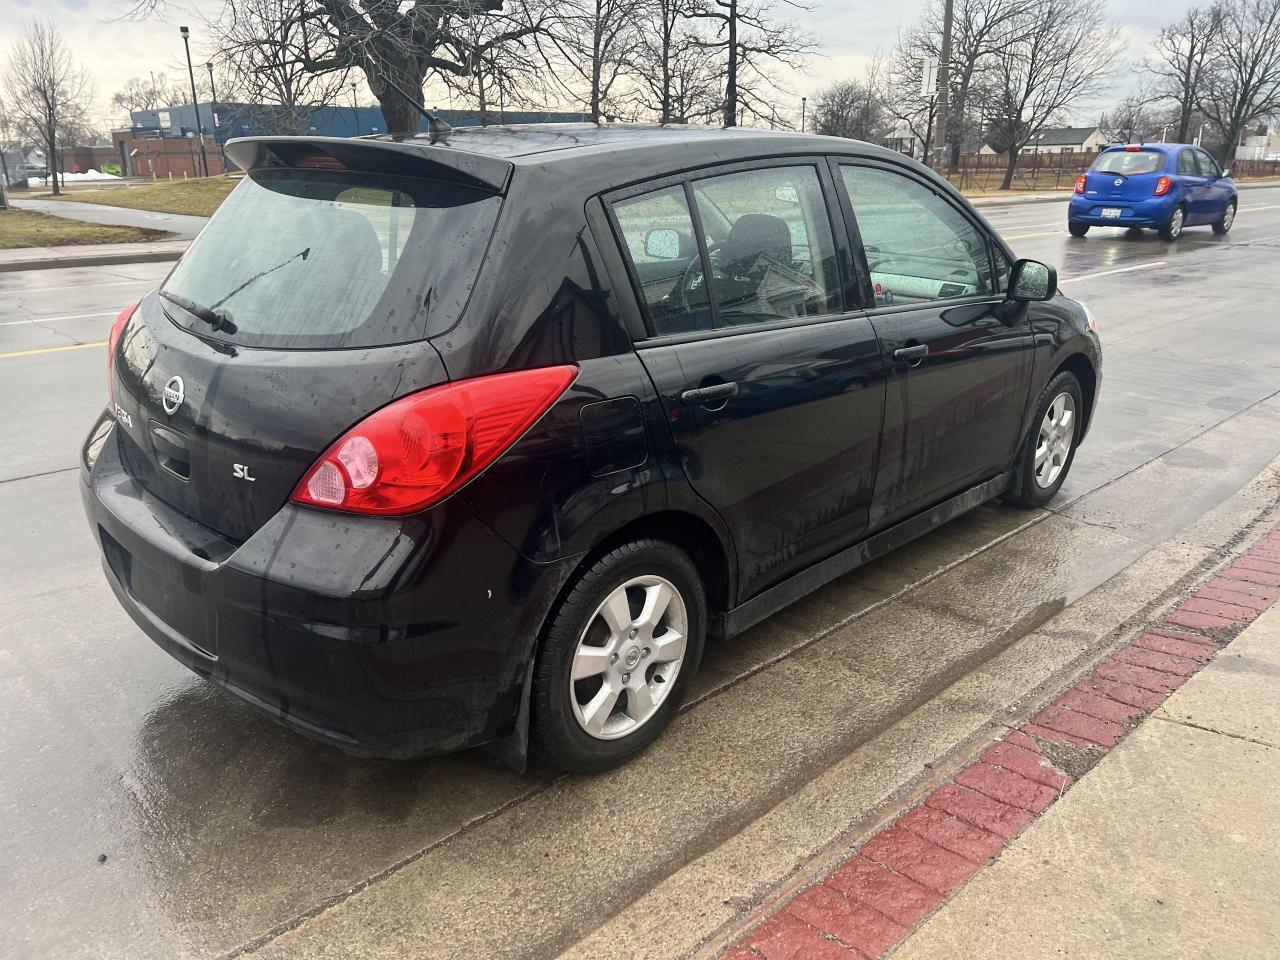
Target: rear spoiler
[(407, 157)]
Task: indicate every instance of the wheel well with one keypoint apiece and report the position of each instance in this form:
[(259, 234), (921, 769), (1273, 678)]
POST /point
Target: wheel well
[(1079, 364), (692, 534)]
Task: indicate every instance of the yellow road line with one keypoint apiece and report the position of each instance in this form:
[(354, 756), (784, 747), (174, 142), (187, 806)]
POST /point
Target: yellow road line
[(1028, 236), (31, 353)]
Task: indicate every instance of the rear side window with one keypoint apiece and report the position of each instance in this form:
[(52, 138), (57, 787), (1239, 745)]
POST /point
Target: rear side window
[(657, 231), (1129, 163), (918, 246), (317, 259), (769, 238)]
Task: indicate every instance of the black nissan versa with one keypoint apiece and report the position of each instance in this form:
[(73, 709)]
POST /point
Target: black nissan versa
[(431, 442)]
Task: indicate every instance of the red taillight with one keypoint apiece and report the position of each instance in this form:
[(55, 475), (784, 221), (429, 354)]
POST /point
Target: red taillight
[(1132, 148), (418, 450), (1162, 186), (113, 340), (1080, 182)]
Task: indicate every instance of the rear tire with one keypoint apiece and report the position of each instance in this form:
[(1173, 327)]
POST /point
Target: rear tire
[(1172, 229), (1050, 445), (1223, 225), (617, 655), (1077, 229)]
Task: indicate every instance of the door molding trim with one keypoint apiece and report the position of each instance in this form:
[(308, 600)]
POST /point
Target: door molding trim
[(781, 595)]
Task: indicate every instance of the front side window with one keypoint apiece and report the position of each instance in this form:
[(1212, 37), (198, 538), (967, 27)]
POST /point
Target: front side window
[(770, 244), (658, 234), (1208, 166), (918, 246)]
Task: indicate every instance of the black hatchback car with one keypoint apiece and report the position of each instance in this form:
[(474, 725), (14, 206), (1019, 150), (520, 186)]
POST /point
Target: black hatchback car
[(430, 443)]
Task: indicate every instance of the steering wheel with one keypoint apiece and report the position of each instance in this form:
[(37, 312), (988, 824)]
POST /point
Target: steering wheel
[(694, 282)]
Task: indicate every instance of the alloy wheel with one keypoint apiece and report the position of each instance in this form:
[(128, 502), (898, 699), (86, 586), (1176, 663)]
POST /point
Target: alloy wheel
[(1175, 223), (1228, 218), (628, 657), (1053, 443)]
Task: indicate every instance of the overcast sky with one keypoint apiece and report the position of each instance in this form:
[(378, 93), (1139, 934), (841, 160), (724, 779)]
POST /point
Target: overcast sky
[(114, 49)]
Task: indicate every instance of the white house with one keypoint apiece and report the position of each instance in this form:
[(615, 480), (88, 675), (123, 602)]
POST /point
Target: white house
[(1060, 140)]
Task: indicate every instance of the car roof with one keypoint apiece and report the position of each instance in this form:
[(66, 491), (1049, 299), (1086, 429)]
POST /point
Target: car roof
[(1157, 147)]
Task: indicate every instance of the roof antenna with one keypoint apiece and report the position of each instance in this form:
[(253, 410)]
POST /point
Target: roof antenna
[(436, 128)]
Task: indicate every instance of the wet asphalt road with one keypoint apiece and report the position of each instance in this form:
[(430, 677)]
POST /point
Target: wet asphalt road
[(225, 834)]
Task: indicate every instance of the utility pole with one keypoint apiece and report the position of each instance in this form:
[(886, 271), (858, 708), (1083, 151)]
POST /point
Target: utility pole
[(944, 82), (804, 102), (195, 101)]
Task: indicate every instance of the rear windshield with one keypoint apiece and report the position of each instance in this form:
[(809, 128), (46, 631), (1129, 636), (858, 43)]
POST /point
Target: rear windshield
[(317, 259), (1129, 162)]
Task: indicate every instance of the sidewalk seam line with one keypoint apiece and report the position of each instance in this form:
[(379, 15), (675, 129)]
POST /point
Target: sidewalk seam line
[(1220, 733)]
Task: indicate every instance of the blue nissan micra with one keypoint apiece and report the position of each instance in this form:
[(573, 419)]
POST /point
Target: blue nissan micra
[(1167, 186)]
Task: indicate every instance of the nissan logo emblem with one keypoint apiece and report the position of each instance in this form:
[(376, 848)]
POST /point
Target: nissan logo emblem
[(1119, 181), (173, 394)]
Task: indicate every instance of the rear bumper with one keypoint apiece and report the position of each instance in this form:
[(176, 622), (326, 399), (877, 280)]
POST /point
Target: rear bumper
[(1154, 212), (386, 637)]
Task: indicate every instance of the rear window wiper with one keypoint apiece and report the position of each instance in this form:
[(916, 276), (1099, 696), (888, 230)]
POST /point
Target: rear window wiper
[(215, 318)]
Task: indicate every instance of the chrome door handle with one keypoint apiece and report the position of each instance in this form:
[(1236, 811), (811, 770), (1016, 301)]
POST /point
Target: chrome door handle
[(917, 352)]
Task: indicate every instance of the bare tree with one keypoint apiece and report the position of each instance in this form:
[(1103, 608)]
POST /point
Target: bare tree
[(1241, 84), (904, 95), (1183, 51), (47, 92), (676, 77), (148, 94), (263, 51), (1060, 54), (751, 40), (503, 57), (980, 28), (597, 41), (1134, 119), (854, 108), (397, 44)]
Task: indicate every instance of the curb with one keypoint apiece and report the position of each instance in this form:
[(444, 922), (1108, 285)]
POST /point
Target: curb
[(91, 260), (896, 879)]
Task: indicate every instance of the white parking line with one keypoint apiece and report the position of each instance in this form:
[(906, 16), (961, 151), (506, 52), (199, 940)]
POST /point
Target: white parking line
[(78, 316), (1107, 273)]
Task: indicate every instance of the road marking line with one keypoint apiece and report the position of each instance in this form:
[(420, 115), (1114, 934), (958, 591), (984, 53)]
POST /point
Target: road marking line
[(1107, 273), (31, 353), (78, 316), (1028, 236)]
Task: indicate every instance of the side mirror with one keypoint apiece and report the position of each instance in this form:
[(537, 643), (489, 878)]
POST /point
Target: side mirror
[(1031, 280), (662, 244), (1226, 173)]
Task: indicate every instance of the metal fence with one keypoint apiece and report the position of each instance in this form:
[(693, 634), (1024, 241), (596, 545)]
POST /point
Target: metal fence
[(1058, 171)]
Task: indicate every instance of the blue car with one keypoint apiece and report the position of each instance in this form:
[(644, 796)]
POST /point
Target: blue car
[(1166, 186)]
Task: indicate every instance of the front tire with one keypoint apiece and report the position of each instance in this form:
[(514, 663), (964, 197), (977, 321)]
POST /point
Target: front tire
[(1050, 445), (1077, 229), (1172, 229), (617, 656), (1223, 225)]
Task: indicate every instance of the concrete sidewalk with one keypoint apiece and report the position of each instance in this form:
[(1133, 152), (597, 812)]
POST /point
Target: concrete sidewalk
[(90, 255), (1167, 849), (182, 227)]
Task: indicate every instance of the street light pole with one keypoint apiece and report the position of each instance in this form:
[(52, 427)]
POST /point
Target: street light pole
[(195, 101), (355, 109), (804, 102), (213, 108), (944, 81)]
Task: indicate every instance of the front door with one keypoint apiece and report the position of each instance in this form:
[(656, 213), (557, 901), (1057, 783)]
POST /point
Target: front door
[(774, 391), (959, 373)]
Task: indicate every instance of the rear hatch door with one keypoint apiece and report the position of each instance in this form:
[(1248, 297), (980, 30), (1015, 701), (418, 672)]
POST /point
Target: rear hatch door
[(1126, 176), (302, 307)]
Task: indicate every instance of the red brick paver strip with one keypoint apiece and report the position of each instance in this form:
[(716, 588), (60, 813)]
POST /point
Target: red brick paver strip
[(874, 899)]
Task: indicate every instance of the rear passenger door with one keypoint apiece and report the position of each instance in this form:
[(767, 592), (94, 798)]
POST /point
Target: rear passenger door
[(1196, 186), (771, 377), (958, 373)]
